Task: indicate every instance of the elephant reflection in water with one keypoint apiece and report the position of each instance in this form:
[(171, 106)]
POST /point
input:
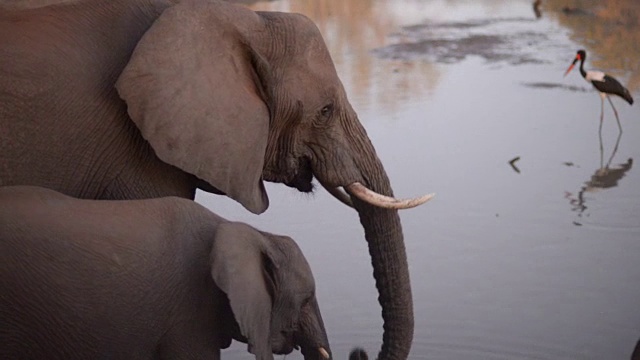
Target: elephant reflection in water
[(604, 177)]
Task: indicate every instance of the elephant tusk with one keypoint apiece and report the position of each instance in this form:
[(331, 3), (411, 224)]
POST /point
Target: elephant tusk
[(363, 193), (324, 353), (341, 195), (338, 194)]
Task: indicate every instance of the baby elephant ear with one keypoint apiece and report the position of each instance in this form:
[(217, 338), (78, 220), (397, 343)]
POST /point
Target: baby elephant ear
[(193, 91), (239, 267)]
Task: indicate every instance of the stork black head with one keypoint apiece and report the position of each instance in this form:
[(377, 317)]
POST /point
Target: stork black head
[(581, 55)]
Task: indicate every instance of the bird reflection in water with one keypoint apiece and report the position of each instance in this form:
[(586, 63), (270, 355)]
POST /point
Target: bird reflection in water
[(604, 177), (536, 8)]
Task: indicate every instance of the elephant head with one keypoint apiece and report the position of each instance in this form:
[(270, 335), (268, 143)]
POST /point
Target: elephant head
[(236, 97), (271, 292)]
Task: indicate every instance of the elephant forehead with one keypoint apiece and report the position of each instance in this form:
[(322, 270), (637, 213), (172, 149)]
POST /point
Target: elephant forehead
[(296, 265)]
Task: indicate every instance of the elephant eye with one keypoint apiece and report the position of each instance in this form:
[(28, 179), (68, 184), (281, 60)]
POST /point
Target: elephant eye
[(327, 110)]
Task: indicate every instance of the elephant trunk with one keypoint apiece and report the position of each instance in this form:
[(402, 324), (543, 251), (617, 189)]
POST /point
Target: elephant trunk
[(383, 232), (311, 335)]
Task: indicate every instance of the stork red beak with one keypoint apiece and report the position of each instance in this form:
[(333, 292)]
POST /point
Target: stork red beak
[(572, 65), (569, 69)]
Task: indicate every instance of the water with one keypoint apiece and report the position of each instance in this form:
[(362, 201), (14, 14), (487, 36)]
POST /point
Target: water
[(540, 261)]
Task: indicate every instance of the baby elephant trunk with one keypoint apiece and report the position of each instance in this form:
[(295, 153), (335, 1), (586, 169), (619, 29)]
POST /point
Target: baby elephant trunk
[(311, 335)]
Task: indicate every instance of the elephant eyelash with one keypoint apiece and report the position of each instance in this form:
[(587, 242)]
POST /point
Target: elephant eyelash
[(307, 298), (327, 110), (306, 302)]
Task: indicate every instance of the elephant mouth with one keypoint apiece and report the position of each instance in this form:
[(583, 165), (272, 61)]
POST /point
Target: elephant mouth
[(313, 351), (283, 345), (302, 180), (284, 350), (308, 350)]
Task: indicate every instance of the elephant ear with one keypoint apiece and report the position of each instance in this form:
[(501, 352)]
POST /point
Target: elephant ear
[(240, 268), (193, 91)]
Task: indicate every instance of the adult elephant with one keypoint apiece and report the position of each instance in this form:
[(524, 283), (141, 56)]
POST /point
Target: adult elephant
[(131, 99), (140, 279)]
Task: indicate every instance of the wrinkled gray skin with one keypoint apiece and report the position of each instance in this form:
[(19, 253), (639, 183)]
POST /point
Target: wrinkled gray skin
[(131, 99), (146, 279)]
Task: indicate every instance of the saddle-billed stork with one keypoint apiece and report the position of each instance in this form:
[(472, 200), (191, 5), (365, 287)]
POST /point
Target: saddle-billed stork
[(604, 83)]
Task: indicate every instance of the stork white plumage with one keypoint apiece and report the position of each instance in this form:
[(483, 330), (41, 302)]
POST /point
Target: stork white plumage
[(605, 84)]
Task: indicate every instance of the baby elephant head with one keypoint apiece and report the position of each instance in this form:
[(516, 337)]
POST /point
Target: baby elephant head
[(271, 291)]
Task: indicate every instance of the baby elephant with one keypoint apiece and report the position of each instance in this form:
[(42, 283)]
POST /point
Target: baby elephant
[(146, 279)]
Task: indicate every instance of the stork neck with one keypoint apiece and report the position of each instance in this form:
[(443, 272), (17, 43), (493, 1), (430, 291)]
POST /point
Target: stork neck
[(582, 71)]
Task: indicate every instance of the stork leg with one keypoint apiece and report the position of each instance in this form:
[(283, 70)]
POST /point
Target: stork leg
[(615, 149), (601, 111), (615, 112), (601, 146)]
